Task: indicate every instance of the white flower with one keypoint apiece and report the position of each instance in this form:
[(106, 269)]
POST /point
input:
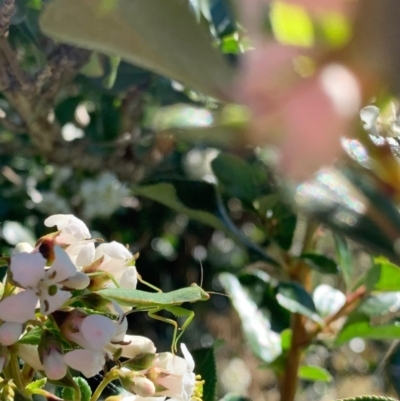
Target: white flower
[(93, 333), (102, 196), (178, 378), (117, 261), (75, 234), (69, 224), (89, 331), (40, 284)]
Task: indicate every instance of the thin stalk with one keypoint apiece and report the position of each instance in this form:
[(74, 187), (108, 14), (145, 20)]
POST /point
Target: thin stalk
[(300, 273), (108, 378), (15, 372)]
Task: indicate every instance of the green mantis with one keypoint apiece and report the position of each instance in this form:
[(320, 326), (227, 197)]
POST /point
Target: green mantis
[(154, 302)]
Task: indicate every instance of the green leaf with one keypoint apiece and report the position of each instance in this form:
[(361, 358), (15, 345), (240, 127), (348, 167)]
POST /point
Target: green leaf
[(296, 299), (32, 337), (236, 177), (263, 342), (140, 362), (286, 339), (160, 35), (68, 393), (291, 24), (380, 304), (206, 367), (344, 257), (86, 392), (314, 373), (352, 204), (383, 276), (336, 28), (194, 124), (199, 201), (194, 198), (320, 263), (358, 325), (37, 384)]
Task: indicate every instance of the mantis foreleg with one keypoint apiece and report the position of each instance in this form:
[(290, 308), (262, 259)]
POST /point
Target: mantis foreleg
[(178, 312)]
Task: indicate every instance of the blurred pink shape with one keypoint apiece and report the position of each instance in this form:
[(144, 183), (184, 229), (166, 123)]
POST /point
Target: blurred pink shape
[(303, 117)]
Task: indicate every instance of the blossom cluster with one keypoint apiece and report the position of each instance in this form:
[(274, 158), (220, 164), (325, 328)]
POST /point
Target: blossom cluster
[(52, 320)]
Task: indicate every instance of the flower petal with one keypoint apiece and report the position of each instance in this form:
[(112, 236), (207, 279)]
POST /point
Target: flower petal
[(77, 282), (19, 308), (129, 278), (86, 361), (114, 250), (27, 269), (188, 357), (69, 224), (98, 330), (62, 267), (50, 303), (30, 355), (85, 253)]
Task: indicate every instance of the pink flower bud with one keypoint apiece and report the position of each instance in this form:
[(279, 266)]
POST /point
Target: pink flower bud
[(54, 365), (10, 333)]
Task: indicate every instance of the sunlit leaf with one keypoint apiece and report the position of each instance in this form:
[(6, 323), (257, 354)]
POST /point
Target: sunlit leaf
[(295, 298), (336, 28), (14, 232), (194, 124), (314, 373), (291, 24), (264, 343), (380, 304), (383, 276), (328, 300), (36, 384), (160, 35), (358, 325)]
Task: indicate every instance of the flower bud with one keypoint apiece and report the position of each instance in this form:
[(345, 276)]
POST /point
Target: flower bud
[(136, 345), (51, 356), (10, 332), (136, 383), (23, 247)]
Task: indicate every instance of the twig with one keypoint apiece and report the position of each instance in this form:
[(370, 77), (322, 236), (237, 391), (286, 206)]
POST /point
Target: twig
[(7, 10)]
